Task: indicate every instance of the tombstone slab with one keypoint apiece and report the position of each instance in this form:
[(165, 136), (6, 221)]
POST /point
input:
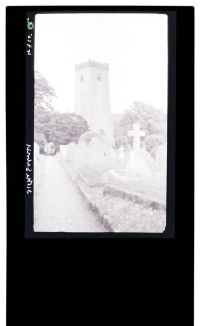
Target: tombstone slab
[(138, 164), (161, 159)]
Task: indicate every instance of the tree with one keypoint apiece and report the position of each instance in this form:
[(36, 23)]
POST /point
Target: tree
[(153, 121), (44, 94), (152, 142), (62, 128)]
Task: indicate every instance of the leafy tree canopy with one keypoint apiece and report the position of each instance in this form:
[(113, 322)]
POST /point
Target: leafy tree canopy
[(44, 93), (62, 128), (50, 125), (153, 121)]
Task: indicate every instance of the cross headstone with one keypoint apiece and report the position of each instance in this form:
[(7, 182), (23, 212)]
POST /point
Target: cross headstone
[(137, 133)]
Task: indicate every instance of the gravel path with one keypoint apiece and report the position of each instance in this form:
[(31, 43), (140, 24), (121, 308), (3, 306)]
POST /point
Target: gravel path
[(58, 205)]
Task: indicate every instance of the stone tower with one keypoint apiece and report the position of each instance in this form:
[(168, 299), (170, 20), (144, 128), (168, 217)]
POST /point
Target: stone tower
[(92, 97)]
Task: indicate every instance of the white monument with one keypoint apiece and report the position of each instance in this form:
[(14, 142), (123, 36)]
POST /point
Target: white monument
[(136, 133), (92, 97), (80, 155), (71, 147), (137, 165), (121, 153), (63, 151), (161, 159), (96, 152)]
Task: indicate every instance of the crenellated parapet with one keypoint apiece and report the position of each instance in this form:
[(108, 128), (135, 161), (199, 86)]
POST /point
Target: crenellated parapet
[(92, 63)]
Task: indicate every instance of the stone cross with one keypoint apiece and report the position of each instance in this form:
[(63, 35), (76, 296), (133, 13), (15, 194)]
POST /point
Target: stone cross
[(137, 134)]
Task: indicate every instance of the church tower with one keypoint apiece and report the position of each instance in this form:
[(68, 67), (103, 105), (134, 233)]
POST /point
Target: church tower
[(92, 97)]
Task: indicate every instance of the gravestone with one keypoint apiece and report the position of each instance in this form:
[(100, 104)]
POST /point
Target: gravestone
[(94, 170), (161, 159), (121, 154), (110, 157), (64, 151), (81, 155), (136, 133), (96, 152), (137, 166), (127, 153), (70, 151)]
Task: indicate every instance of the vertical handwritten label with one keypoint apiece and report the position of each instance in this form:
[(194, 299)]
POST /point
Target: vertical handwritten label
[(29, 38), (29, 169)]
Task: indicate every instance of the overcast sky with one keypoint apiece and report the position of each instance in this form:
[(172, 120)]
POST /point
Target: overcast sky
[(134, 45)]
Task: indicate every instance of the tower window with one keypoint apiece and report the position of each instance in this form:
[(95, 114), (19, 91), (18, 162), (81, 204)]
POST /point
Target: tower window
[(81, 78), (99, 77)]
